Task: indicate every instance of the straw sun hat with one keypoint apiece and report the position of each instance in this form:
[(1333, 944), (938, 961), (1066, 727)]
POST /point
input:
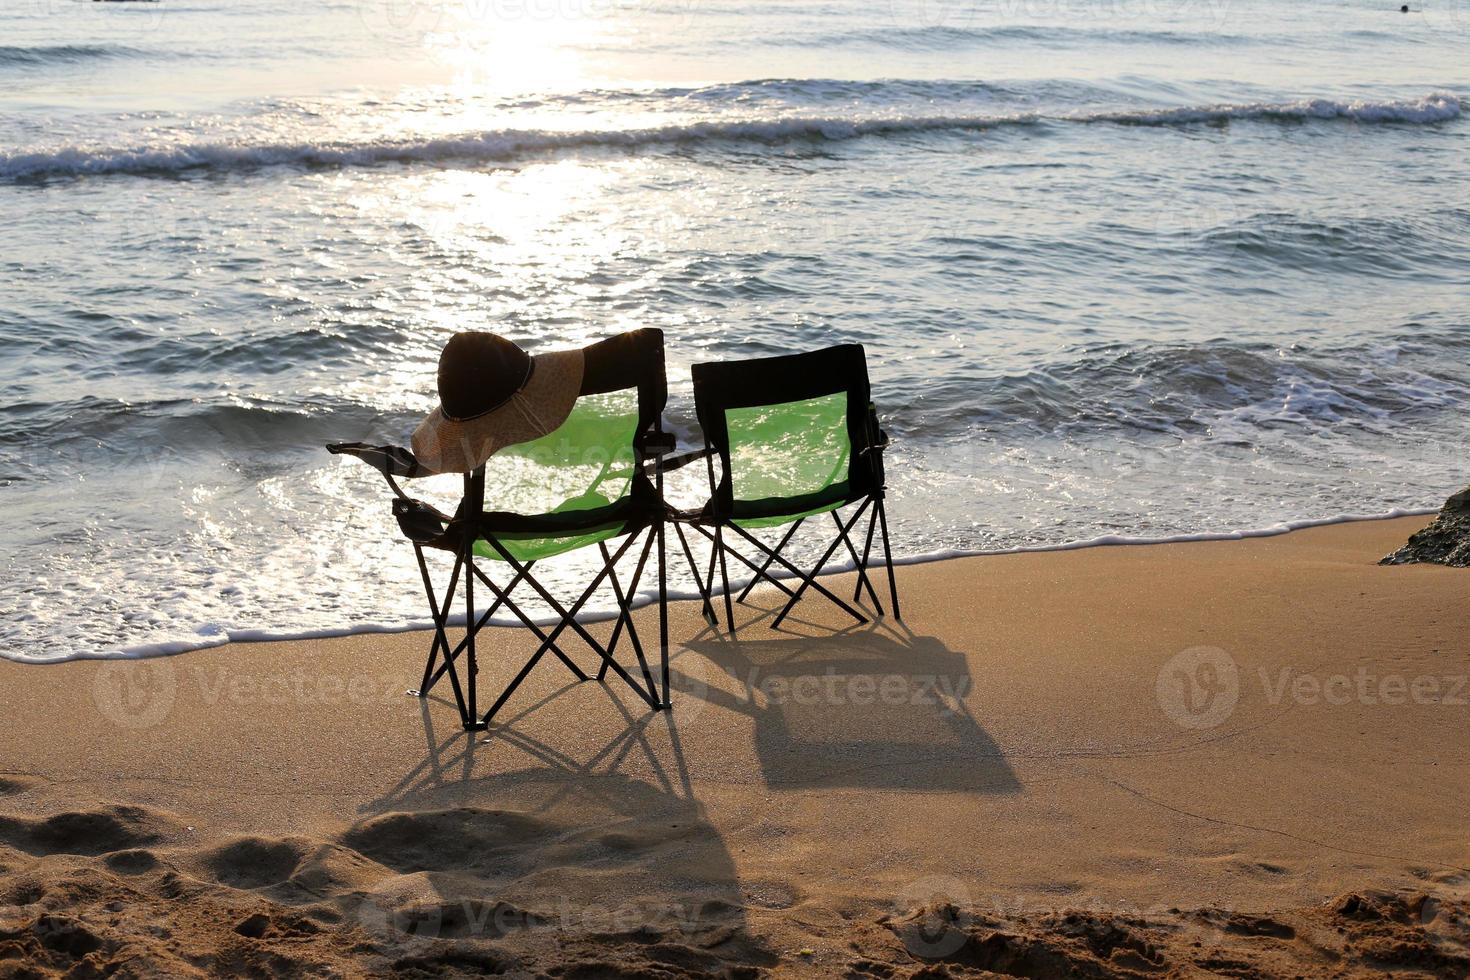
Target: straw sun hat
[(492, 394)]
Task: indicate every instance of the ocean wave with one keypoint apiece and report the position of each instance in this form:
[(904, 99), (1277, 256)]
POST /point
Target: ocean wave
[(1436, 108), (1403, 245), (941, 37), (1226, 391), (512, 143), (52, 54), (93, 431), (499, 145)]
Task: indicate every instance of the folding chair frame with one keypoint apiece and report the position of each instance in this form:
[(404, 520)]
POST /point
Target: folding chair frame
[(443, 657), (630, 361), (866, 478), (762, 573)]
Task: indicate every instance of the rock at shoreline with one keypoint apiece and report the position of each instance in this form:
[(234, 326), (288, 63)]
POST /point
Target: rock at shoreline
[(1445, 542)]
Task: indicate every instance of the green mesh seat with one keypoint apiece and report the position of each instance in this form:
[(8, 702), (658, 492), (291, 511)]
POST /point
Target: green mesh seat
[(796, 437), (592, 480)]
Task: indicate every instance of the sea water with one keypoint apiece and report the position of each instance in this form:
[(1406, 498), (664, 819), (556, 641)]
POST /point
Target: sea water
[(1123, 268)]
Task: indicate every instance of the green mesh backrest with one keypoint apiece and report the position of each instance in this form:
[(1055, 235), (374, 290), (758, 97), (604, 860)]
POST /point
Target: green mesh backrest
[(788, 432), (788, 450), (586, 463)]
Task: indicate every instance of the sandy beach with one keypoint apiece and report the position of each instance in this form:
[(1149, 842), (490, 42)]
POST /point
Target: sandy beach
[(1226, 758)]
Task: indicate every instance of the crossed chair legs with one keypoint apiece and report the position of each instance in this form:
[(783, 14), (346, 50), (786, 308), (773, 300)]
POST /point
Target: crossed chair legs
[(443, 658), (877, 521)]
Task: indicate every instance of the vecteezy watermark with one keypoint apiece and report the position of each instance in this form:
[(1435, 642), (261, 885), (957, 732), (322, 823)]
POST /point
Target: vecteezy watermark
[(407, 926), (1450, 17), (219, 685), (135, 694), (936, 917), (112, 21), (933, 916), (401, 20), (933, 13), (1365, 687), (1199, 15), (861, 690), (138, 694), (693, 677), (1190, 218), (1200, 687)]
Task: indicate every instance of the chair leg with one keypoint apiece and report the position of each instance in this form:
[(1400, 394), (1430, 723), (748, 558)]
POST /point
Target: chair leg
[(569, 620), (706, 606), (806, 580), (548, 643), (767, 563), (511, 687), (471, 628), (862, 570), (612, 578), (811, 580), (663, 616), (504, 596), (441, 637), (625, 616), (500, 599), (742, 559), (888, 558), (709, 578), (857, 590), (725, 579), (440, 612)]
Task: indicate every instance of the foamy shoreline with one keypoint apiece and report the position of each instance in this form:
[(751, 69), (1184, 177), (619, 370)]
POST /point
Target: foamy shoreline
[(221, 637)]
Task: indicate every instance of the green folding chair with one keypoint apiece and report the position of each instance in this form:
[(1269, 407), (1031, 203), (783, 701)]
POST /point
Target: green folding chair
[(797, 437), (591, 481)]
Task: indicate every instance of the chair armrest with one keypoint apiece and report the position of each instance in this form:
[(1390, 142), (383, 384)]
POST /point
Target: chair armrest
[(419, 521), (387, 460), (879, 443), (659, 444), (670, 463)]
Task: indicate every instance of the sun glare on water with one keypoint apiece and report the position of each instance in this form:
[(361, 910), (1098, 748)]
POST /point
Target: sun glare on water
[(515, 46)]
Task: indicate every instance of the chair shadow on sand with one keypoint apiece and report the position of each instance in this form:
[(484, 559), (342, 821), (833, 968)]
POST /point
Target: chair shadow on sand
[(872, 706), (566, 854), (599, 843)]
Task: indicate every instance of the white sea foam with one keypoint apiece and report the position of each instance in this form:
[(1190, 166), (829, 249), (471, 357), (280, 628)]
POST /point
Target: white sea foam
[(1435, 108), (213, 636), (512, 143)]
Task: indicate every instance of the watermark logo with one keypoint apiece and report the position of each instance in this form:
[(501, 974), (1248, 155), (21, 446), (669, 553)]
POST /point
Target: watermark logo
[(934, 917), (933, 13), (1447, 17), (689, 688), (135, 694), (404, 928), (1194, 218), (1198, 688), (1196, 15), (1445, 919), (1365, 687), (402, 19), (473, 23)]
